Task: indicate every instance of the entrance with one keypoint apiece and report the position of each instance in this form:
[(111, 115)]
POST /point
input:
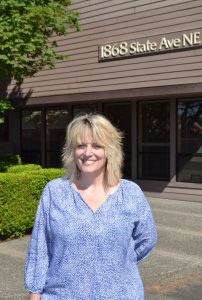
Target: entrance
[(189, 141), (120, 115), (154, 140)]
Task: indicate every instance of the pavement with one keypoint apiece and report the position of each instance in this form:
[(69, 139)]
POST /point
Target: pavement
[(172, 272)]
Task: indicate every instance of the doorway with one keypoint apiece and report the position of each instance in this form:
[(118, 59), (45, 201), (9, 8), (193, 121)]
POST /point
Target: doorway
[(154, 140), (120, 116)]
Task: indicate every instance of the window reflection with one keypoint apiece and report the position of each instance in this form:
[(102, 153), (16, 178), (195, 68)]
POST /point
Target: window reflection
[(189, 141), (154, 140), (56, 122), (4, 127), (86, 109), (120, 115), (31, 136)]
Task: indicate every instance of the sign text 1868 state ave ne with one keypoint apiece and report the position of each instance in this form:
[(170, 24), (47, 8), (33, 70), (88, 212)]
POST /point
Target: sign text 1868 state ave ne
[(126, 49)]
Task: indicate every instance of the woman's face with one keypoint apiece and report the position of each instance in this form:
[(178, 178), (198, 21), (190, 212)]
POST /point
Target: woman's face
[(89, 156)]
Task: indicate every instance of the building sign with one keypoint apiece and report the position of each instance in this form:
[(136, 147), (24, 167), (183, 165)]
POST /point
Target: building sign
[(127, 49)]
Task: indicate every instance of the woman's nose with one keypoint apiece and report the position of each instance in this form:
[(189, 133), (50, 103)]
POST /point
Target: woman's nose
[(88, 150)]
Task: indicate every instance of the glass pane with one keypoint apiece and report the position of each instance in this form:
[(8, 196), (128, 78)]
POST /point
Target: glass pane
[(56, 123), (31, 157), (31, 136), (154, 165), (190, 127), (154, 140), (189, 141), (78, 109), (120, 115), (189, 168), (4, 127)]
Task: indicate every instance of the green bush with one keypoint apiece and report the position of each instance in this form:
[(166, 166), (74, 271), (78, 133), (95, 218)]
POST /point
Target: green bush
[(19, 199), (7, 161), (23, 168)]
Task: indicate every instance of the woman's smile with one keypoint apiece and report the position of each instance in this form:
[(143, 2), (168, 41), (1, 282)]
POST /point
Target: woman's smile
[(87, 162)]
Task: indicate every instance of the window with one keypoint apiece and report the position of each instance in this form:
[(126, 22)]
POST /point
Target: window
[(31, 136), (56, 123), (4, 128), (189, 141), (120, 115), (43, 134), (84, 108), (154, 140)]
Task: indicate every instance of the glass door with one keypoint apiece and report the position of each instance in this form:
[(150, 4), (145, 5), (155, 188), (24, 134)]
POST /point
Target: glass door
[(56, 123), (120, 115), (154, 140), (189, 141), (31, 136)]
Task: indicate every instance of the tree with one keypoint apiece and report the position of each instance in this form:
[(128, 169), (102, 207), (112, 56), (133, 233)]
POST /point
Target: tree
[(25, 30)]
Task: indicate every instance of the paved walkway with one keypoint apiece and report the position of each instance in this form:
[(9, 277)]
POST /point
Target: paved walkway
[(173, 271)]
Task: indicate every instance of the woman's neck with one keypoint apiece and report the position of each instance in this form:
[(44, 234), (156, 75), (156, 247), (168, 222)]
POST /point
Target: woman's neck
[(90, 180)]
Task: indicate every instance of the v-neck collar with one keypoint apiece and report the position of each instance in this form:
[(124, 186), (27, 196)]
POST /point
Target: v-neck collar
[(102, 205)]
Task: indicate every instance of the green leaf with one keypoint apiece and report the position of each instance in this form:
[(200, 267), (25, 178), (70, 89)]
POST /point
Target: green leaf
[(25, 30)]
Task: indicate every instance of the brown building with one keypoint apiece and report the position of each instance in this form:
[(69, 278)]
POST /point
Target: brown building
[(138, 62)]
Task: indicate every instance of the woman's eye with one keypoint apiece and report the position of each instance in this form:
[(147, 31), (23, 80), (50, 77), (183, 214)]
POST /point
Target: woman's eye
[(96, 146), (81, 146)]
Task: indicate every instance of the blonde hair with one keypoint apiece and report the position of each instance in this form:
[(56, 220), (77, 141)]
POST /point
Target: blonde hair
[(104, 133)]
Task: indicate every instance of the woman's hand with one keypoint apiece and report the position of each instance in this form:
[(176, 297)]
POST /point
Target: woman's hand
[(33, 296)]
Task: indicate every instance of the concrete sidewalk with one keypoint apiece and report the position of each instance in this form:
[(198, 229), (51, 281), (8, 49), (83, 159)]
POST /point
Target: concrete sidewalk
[(173, 271)]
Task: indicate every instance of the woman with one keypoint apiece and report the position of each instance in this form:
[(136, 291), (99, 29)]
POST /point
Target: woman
[(92, 227)]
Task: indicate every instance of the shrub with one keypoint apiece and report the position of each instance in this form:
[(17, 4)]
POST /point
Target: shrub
[(7, 161), (23, 168), (19, 199)]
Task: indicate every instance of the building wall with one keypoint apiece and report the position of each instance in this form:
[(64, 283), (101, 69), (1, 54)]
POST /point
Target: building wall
[(112, 21), (82, 78)]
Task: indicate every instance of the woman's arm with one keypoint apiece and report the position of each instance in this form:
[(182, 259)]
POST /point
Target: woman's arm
[(37, 259), (34, 296), (144, 233)]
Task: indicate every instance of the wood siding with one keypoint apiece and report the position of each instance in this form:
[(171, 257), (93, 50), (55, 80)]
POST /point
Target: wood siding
[(116, 20)]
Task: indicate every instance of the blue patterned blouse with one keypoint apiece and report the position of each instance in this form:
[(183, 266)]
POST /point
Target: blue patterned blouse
[(77, 254)]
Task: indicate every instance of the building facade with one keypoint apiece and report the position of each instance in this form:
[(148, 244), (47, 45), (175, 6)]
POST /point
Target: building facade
[(139, 62)]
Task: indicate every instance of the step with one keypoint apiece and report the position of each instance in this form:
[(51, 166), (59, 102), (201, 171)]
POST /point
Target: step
[(178, 219), (185, 242), (176, 205)]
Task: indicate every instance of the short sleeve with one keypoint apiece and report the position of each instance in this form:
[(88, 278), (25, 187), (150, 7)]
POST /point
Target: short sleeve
[(144, 233), (37, 259)]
